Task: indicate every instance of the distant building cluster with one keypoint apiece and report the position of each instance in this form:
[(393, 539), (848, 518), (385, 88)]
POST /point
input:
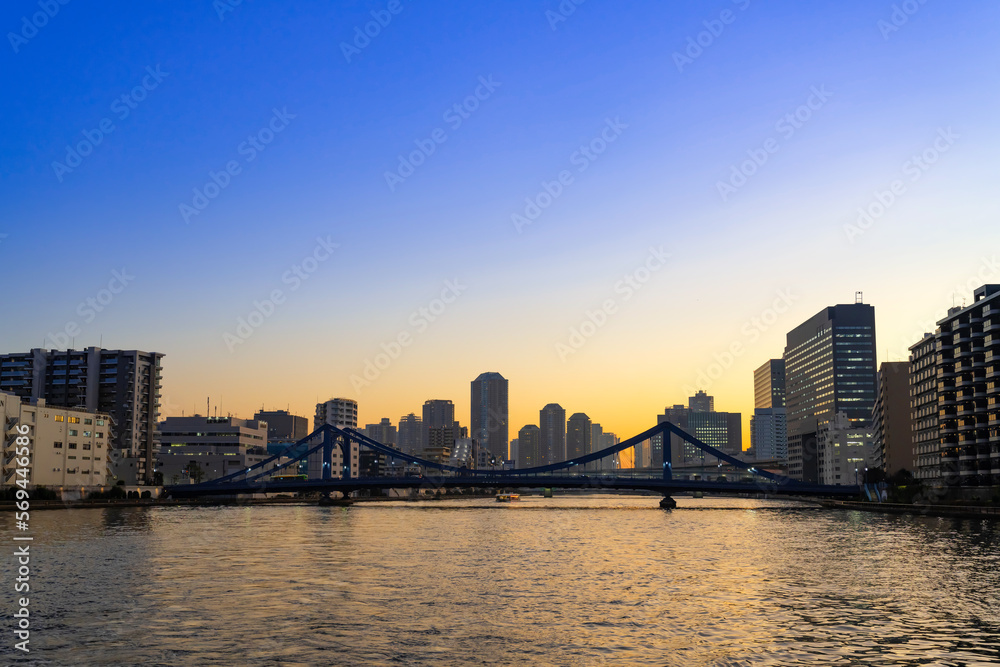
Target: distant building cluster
[(824, 412)]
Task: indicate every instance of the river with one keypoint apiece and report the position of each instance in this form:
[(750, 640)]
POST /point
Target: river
[(570, 580)]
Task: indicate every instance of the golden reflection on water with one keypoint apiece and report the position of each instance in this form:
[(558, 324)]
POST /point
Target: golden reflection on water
[(565, 580)]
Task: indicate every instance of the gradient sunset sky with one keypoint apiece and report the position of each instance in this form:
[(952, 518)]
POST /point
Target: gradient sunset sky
[(664, 120)]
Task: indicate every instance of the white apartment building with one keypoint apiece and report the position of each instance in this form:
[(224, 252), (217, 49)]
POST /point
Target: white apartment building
[(70, 448), (339, 412)]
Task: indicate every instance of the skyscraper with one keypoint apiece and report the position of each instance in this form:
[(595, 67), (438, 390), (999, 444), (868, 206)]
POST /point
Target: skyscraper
[(769, 423), (529, 447), (437, 413), (552, 428), (410, 435), (829, 368), (122, 383), (578, 436), (769, 385), (489, 414), (701, 402)]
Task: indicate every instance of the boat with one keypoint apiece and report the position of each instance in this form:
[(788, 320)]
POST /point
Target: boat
[(507, 497)]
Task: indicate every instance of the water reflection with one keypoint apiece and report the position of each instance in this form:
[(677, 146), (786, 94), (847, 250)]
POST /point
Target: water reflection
[(568, 580)]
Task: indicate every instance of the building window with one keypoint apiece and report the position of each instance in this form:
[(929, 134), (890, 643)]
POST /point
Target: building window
[(100, 422), (59, 418), (57, 445), (86, 445), (74, 420), (72, 432), (88, 421), (86, 434), (99, 434), (72, 445)]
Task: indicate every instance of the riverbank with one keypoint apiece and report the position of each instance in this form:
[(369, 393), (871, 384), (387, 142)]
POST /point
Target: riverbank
[(956, 511)]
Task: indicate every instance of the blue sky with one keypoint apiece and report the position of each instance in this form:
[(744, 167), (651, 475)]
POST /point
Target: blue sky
[(555, 86)]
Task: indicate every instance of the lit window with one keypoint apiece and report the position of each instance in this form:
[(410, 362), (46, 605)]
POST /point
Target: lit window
[(59, 418)]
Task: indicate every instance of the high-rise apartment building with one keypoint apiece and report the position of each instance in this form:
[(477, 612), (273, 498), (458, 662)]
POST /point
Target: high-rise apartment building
[(342, 413), (893, 437), (829, 368), (769, 434), (578, 436), (552, 428), (958, 369), (529, 447), (437, 413), (490, 415), (384, 432), (124, 384), (410, 435)]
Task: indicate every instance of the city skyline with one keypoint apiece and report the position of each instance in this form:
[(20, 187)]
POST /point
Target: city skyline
[(562, 225)]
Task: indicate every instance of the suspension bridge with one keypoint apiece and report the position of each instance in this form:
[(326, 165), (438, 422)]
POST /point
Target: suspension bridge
[(266, 477)]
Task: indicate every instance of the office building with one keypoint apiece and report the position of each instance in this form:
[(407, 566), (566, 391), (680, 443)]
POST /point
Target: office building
[(955, 396), (124, 384), (69, 447), (283, 427), (529, 447), (829, 368), (891, 419), (552, 431), (200, 449), (845, 451), (578, 436), (769, 385), (490, 415), (701, 402), (722, 430), (342, 413)]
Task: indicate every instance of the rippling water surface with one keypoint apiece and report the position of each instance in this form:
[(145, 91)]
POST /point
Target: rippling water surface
[(586, 580)]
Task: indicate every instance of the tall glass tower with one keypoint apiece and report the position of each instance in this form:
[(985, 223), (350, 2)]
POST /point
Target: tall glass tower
[(829, 368)]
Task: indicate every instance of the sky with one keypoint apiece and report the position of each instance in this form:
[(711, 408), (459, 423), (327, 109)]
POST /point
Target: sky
[(610, 204)]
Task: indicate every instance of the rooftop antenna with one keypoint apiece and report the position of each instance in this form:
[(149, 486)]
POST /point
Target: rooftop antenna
[(858, 297), (208, 406)]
